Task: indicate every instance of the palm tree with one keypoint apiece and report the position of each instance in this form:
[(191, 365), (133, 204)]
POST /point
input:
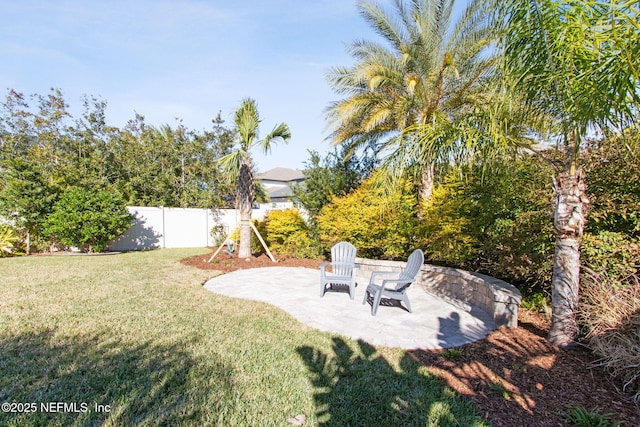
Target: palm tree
[(403, 98), (238, 165), (577, 63)]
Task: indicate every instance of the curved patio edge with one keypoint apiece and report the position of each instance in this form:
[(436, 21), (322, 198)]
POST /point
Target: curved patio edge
[(460, 287), (434, 322)]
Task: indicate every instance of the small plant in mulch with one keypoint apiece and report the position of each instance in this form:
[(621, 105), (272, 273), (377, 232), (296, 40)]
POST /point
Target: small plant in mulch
[(581, 417), (452, 353), (498, 388)]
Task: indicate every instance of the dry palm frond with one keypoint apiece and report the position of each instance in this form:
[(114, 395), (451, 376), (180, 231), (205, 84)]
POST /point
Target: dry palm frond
[(610, 312)]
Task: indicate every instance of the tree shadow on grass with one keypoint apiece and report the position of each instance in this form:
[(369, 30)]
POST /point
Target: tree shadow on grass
[(360, 388), (100, 382)]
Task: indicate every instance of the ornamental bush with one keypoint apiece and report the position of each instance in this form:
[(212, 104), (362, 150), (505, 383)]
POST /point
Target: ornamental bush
[(380, 225), (445, 227), (616, 254), (286, 232), (8, 238), (88, 219), (612, 175), (495, 219), (511, 217), (609, 313)]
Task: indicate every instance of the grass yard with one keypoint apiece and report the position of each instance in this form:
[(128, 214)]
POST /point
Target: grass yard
[(134, 339)]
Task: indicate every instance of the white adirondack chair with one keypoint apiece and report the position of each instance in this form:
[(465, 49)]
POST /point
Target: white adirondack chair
[(343, 269), (396, 286)]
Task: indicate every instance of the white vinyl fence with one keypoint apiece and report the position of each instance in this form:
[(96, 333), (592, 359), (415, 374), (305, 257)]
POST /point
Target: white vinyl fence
[(160, 227)]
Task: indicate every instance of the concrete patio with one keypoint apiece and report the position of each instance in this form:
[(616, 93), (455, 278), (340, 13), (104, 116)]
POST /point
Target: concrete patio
[(434, 323)]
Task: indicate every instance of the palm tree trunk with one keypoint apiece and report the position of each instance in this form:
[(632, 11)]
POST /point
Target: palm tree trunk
[(245, 195), (426, 189), (568, 221)]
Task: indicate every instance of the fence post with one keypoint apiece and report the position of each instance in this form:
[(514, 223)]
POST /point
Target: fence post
[(164, 242)]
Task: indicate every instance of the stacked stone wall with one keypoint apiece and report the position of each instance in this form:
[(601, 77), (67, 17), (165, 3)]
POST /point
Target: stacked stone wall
[(460, 287)]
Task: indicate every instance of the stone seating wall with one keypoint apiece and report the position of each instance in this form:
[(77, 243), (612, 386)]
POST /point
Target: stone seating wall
[(462, 288)]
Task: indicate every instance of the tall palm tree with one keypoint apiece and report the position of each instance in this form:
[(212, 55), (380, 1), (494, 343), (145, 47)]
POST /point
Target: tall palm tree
[(577, 62), (238, 164), (402, 98)]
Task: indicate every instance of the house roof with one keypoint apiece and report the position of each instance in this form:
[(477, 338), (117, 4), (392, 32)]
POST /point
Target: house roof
[(280, 192), (281, 175)]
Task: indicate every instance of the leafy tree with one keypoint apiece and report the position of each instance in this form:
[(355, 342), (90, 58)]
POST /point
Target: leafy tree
[(214, 144), (576, 62), (16, 127), (335, 175), (494, 218), (26, 197), (511, 203), (91, 157), (238, 165), (88, 219), (149, 170), (44, 151), (611, 243), (39, 133), (171, 166), (406, 99), (53, 148)]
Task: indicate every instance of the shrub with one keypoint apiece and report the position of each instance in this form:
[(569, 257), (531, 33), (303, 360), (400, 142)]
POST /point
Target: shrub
[(444, 227), (8, 238), (612, 174), (88, 219), (614, 253), (609, 311), (218, 234), (513, 215), (27, 196), (380, 225), (495, 219), (286, 233)]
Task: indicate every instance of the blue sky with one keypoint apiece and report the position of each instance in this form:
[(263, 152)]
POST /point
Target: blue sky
[(186, 58)]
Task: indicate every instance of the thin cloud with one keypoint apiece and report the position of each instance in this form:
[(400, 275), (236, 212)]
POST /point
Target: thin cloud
[(188, 59)]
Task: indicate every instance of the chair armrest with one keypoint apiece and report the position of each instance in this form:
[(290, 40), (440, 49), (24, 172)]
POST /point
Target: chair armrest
[(385, 273), (354, 272), (382, 273), (323, 268), (397, 281)]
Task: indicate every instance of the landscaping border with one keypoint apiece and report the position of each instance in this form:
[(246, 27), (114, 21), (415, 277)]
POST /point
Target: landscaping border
[(462, 288)]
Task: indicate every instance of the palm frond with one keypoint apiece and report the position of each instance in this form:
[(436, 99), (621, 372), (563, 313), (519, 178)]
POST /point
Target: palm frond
[(280, 132), (384, 23), (231, 163), (573, 60), (247, 122), (401, 98)]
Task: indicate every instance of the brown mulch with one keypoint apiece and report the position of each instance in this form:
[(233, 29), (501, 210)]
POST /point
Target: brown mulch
[(514, 375), (226, 263)]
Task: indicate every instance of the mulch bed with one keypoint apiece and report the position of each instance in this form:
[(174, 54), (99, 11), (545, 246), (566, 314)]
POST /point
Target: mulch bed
[(514, 375)]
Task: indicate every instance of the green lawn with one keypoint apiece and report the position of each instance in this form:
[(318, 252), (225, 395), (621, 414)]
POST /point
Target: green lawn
[(134, 339)]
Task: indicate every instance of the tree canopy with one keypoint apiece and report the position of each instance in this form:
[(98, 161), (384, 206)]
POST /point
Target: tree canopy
[(405, 98), (44, 151)]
